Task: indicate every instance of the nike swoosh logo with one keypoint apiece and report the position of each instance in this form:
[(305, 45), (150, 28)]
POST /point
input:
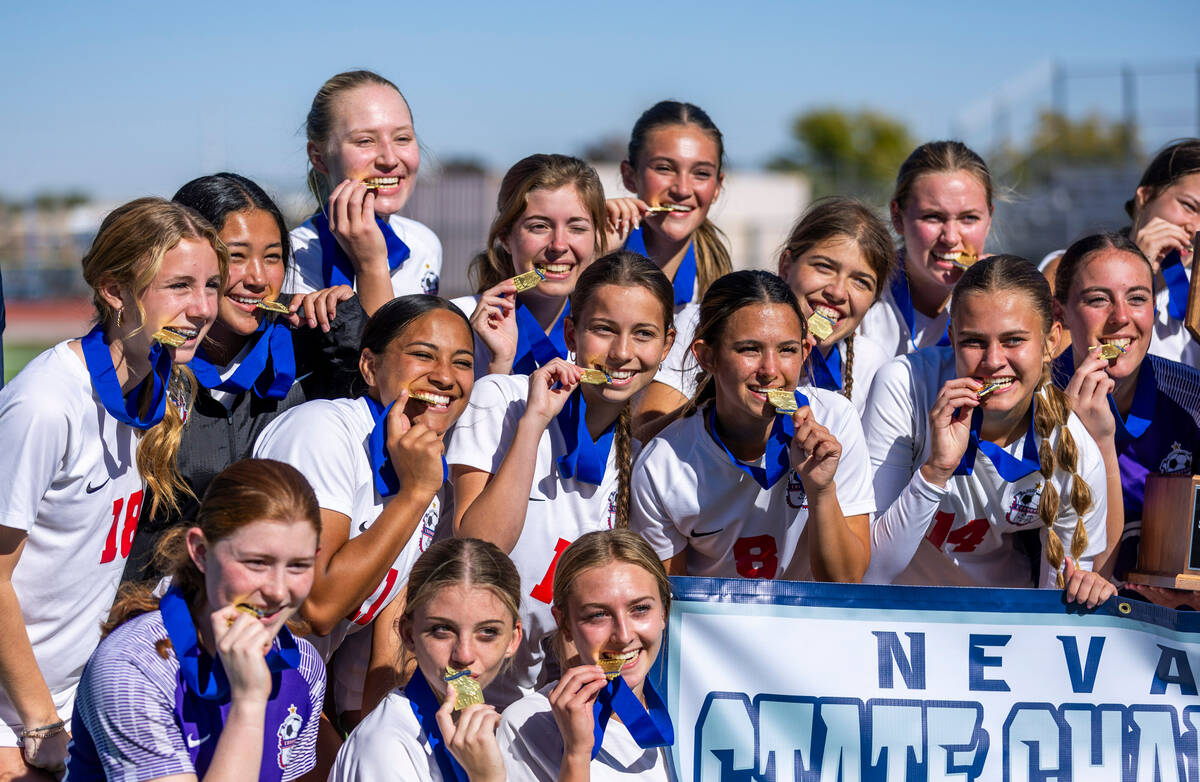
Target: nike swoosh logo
[(194, 742), (93, 489), (706, 534), (537, 499), (363, 527)]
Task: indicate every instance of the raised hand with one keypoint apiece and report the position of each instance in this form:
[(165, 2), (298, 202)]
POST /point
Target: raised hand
[(950, 428)]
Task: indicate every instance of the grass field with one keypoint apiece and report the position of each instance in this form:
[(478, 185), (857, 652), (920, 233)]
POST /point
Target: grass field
[(17, 356)]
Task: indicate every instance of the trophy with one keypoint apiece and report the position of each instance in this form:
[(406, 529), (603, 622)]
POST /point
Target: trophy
[(1169, 554)]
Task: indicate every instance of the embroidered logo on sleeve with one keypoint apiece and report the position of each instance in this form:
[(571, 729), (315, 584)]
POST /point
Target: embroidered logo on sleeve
[(796, 498), (1024, 507), (289, 734)]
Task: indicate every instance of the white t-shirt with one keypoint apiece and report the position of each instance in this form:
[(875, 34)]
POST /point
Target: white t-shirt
[(420, 273), (884, 325), (533, 747), (387, 744), (69, 480), (687, 495), (679, 368), (972, 518), (559, 511), (483, 354), (326, 440)]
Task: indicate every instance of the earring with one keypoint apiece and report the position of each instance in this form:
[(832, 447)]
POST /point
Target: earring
[(120, 312)]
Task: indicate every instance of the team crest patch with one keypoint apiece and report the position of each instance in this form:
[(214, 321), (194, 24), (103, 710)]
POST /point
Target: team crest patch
[(1178, 460), (429, 525), (1024, 507), (796, 498), (289, 734), (430, 281), (612, 509)]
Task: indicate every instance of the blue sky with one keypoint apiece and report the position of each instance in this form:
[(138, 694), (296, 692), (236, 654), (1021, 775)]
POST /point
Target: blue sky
[(121, 99)]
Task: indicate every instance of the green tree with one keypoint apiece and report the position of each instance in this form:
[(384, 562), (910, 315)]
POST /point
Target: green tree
[(851, 153), (1060, 141)]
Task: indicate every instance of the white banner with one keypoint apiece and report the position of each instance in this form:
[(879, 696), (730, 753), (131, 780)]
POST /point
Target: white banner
[(781, 681)]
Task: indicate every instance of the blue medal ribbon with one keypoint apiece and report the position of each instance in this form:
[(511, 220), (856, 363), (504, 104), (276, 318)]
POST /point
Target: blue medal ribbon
[(777, 459), (202, 674), (425, 705), (383, 472), (1177, 285), (272, 346), (903, 299), (650, 725), (535, 347), (585, 459), (121, 406), (827, 370), (336, 268), (685, 276), (1008, 466)]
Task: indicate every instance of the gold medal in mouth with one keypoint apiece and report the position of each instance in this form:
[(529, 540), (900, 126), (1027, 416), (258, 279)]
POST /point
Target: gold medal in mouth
[(612, 664), (274, 306), (596, 377), (1108, 351), (528, 281), (376, 182), (467, 691), (169, 337), (783, 400), (820, 326), (995, 385), (245, 608), (965, 260), (668, 208)]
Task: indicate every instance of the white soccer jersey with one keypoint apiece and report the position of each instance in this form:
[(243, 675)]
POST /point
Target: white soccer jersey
[(69, 480), (868, 358), (971, 519), (679, 368), (325, 439), (688, 496), (1171, 338), (421, 273), (387, 744), (884, 325), (532, 747), (559, 511)]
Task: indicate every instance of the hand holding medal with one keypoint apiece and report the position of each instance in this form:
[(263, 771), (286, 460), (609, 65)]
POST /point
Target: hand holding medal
[(1088, 392), (815, 452), (549, 388), (950, 427), (494, 321)]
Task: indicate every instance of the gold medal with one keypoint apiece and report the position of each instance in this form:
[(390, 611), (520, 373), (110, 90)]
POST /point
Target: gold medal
[(783, 400), (528, 281), (596, 377), (1108, 351), (965, 260), (244, 608), (274, 306), (169, 338), (820, 326), (467, 691), (989, 388), (669, 208), (612, 664)]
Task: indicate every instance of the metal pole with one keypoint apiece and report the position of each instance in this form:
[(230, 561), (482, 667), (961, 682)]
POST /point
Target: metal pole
[(1129, 106), (1058, 88)]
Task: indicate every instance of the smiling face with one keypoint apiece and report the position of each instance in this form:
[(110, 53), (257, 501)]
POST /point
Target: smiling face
[(613, 611), (832, 277), (554, 235), (761, 347), (181, 297), (680, 164), (266, 564), (999, 337), (462, 627), (1178, 204), (256, 266), (946, 214), (1111, 301), (620, 331), (371, 139), (433, 357)]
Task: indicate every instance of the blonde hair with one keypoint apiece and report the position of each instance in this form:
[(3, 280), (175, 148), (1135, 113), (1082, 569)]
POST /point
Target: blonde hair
[(468, 562), (319, 122), (711, 245), (128, 251), (598, 549), (536, 172), (1008, 272)]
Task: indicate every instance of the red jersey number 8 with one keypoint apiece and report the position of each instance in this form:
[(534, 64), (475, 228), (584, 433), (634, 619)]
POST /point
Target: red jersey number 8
[(756, 556)]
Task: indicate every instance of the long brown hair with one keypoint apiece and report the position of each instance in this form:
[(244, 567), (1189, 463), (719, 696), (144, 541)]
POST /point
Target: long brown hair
[(319, 123), (247, 491), (1078, 253), (128, 251), (625, 269), (835, 217), (1011, 273), (536, 172), (1172, 163), (712, 248)]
